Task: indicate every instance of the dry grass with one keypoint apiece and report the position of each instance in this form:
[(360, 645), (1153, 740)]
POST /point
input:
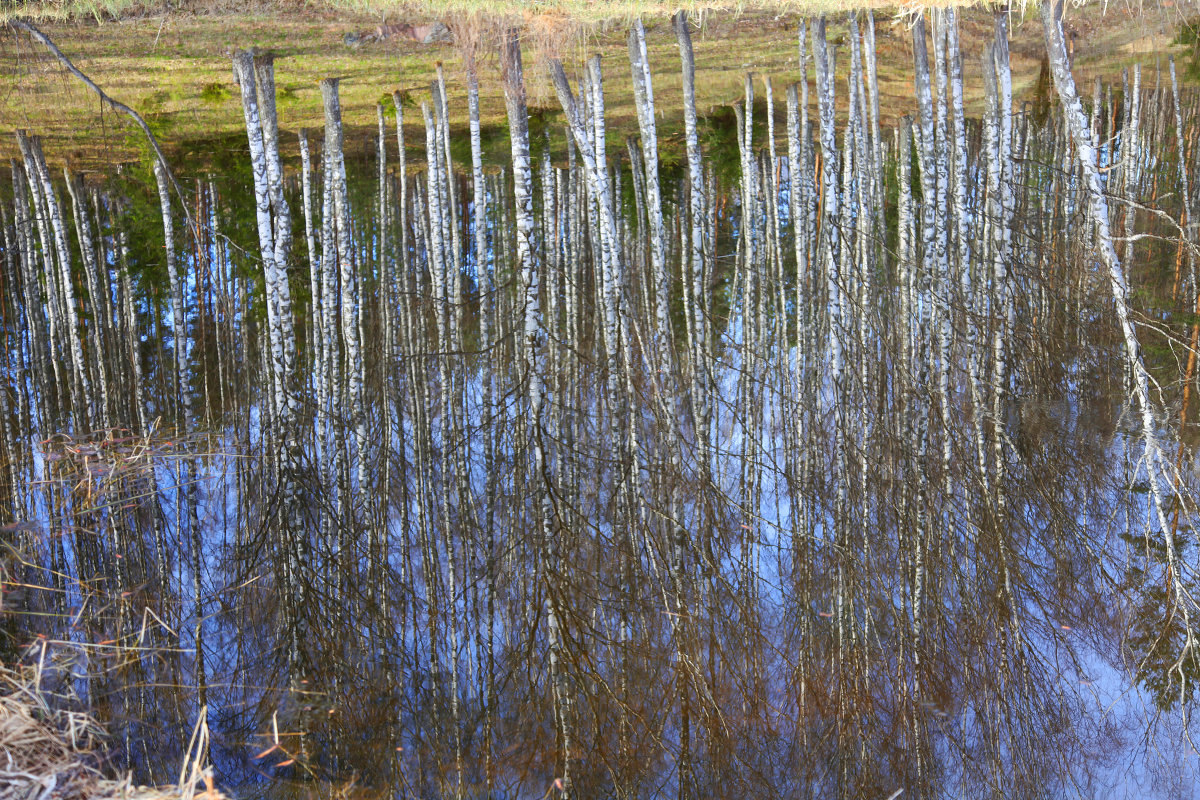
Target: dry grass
[(49, 751), (587, 11), (582, 11)]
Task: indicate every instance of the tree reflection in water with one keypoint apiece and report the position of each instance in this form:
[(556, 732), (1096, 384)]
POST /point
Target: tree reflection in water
[(604, 473)]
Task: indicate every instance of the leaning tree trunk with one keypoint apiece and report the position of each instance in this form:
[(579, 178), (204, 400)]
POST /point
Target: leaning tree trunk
[(1081, 135)]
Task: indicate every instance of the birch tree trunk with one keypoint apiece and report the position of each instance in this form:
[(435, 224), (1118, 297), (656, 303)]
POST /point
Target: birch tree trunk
[(644, 100), (695, 293), (58, 261), (264, 169), (534, 335)]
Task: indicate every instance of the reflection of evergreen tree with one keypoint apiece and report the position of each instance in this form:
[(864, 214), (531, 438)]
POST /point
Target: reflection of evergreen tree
[(1168, 661), (1189, 37)]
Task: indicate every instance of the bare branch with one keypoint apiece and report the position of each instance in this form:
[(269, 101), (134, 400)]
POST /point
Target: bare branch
[(115, 105)]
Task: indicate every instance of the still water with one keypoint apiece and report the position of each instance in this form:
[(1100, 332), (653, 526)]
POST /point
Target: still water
[(788, 453)]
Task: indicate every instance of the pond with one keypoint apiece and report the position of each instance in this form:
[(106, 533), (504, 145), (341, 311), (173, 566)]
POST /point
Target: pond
[(795, 447)]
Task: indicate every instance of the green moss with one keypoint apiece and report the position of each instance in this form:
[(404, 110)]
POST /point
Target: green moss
[(155, 101), (214, 94)]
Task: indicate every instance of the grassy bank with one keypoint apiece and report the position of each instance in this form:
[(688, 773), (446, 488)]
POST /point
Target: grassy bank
[(174, 67)]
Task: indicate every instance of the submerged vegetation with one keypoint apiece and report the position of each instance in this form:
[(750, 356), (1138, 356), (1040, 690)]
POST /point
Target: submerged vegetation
[(783, 451)]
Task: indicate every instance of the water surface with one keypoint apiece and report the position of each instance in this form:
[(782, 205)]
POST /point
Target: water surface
[(800, 454)]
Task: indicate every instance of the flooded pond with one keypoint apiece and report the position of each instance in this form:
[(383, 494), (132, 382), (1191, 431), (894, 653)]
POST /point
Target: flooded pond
[(797, 447)]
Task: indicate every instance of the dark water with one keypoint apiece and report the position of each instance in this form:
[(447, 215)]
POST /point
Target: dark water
[(825, 473)]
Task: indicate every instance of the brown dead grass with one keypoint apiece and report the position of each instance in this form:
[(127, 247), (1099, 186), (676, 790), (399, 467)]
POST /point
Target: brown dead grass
[(49, 751)]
